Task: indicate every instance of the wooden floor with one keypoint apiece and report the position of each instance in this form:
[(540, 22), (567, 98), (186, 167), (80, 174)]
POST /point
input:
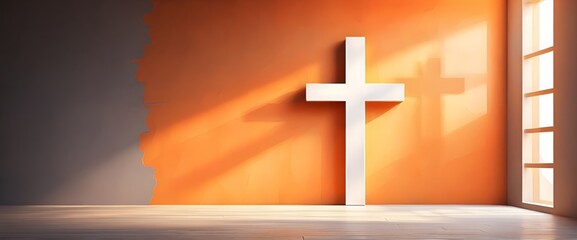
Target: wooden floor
[(282, 222)]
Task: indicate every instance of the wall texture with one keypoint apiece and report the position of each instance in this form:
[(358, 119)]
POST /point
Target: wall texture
[(565, 111), (224, 86), (71, 107)]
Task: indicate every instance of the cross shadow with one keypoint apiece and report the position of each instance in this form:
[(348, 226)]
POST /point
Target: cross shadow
[(429, 88)]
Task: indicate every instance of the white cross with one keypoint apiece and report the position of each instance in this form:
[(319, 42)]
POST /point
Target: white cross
[(355, 92)]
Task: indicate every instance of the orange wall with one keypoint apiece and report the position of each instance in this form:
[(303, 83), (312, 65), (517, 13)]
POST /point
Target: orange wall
[(229, 124)]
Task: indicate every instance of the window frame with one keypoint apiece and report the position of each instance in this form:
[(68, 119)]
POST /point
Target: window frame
[(531, 175)]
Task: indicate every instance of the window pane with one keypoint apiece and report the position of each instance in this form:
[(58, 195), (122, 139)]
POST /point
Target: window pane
[(540, 147), (538, 111), (545, 24), (545, 110), (545, 147), (538, 73), (538, 186), (545, 185), (538, 25), (546, 71)]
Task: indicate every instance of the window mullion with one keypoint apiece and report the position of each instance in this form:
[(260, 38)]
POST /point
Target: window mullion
[(538, 53), (539, 93)]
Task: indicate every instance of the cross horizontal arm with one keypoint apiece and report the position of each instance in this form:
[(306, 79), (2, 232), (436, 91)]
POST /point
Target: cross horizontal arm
[(385, 92), (332, 92)]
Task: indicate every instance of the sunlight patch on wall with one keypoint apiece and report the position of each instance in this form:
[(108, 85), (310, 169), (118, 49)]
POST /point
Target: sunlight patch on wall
[(465, 55), (402, 64), (465, 52), (461, 109)]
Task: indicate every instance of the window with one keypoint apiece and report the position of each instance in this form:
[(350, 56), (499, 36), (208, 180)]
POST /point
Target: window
[(538, 91)]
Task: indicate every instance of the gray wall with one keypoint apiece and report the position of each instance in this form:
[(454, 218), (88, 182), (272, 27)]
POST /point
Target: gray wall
[(71, 107), (565, 109)]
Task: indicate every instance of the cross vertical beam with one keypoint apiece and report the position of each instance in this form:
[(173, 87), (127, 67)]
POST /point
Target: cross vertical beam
[(355, 123)]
